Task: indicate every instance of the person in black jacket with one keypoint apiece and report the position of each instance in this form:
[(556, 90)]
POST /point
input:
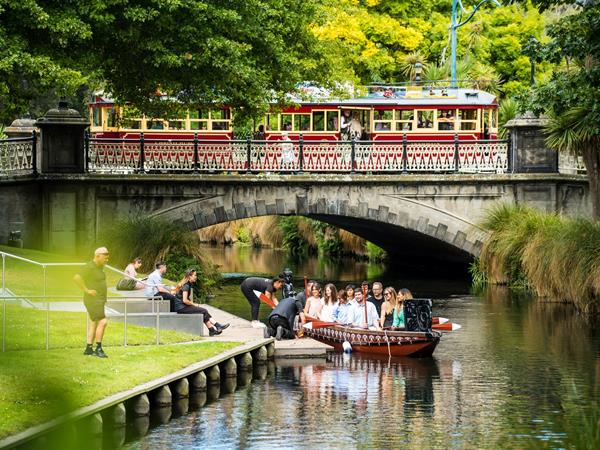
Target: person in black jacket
[(281, 320), (266, 286)]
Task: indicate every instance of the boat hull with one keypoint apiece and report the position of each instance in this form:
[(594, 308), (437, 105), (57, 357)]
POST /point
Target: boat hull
[(390, 343)]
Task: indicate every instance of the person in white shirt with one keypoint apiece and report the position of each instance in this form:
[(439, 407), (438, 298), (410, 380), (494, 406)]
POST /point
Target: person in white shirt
[(329, 303), (155, 287), (357, 313)]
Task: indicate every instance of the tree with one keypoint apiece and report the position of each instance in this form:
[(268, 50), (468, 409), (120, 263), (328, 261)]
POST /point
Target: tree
[(197, 52), (572, 97)]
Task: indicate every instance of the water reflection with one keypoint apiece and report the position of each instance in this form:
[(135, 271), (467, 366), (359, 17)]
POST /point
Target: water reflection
[(519, 374)]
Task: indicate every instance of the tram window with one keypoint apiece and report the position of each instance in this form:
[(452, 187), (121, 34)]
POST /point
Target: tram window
[(220, 125), (111, 118), (176, 125), (332, 121), (446, 119), (272, 122), (494, 118), (220, 114), (286, 122), (97, 117), (198, 125), (199, 114), (302, 122), (468, 119), (425, 119), (318, 120), (156, 125), (383, 120), (133, 124), (404, 119)]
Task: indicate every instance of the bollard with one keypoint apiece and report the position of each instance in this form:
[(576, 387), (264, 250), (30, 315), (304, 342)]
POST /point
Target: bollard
[(162, 396), (260, 355), (140, 406), (229, 368), (213, 375), (244, 361), (198, 381), (116, 416), (271, 350), (181, 388)]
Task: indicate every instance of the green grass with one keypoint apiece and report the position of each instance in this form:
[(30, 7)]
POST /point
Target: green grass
[(37, 386), (26, 330), (27, 279)]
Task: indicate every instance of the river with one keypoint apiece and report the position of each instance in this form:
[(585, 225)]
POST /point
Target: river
[(519, 374)]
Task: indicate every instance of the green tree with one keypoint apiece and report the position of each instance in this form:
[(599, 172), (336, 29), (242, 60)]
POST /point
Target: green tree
[(571, 97), (197, 52)]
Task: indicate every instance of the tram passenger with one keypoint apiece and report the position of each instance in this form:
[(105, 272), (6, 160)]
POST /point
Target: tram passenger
[(314, 303), (329, 303), (357, 313), (386, 319), (266, 286), (398, 319), (260, 134), (341, 311), (287, 151), (183, 303)]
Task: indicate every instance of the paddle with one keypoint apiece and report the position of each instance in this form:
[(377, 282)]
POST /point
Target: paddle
[(263, 298)]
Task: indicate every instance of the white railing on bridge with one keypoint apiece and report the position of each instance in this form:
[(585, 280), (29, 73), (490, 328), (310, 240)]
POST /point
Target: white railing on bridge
[(145, 155), (570, 163), (17, 156)]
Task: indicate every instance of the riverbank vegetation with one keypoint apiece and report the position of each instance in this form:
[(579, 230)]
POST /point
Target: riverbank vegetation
[(38, 386), (156, 240), (556, 257), (299, 235)]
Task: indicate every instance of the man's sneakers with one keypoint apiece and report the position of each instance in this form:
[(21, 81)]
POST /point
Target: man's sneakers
[(257, 324), (97, 352), (279, 333), (220, 327), (214, 331)]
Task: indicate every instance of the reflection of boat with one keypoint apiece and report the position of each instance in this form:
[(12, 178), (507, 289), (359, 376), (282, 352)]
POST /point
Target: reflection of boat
[(394, 343)]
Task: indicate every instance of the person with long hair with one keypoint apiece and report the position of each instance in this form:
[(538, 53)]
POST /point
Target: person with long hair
[(183, 303), (350, 290), (387, 308), (329, 303), (398, 320), (314, 303)]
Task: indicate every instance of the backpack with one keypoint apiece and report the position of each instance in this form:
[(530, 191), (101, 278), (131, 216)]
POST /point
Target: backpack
[(126, 284)]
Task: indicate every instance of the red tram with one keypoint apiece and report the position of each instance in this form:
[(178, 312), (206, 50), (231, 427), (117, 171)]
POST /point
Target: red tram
[(383, 113)]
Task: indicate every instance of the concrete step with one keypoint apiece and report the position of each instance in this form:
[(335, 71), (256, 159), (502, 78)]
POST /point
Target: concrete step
[(139, 306), (187, 323)]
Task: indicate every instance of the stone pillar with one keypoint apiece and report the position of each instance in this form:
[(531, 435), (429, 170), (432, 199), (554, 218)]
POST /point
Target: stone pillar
[(140, 405), (62, 137), (181, 388), (529, 152), (213, 375), (162, 396), (229, 368), (198, 381)]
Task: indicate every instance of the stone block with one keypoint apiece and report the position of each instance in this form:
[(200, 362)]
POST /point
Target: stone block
[(459, 239), (280, 206), (260, 355), (139, 406), (301, 204), (198, 381), (162, 396), (229, 368), (180, 388), (240, 210), (322, 206), (440, 231), (383, 213), (271, 209), (244, 361), (220, 214), (363, 209), (116, 416), (261, 209), (213, 375)]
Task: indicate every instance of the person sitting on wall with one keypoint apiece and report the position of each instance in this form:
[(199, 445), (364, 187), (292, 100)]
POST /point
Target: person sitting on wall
[(155, 287), (183, 303), (131, 273), (281, 320)]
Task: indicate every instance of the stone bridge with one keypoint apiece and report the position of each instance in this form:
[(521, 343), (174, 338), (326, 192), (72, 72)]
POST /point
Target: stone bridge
[(422, 217)]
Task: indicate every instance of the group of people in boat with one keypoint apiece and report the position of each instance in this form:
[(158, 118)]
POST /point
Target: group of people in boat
[(374, 307)]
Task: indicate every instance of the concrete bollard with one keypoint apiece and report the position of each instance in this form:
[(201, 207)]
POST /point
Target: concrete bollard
[(116, 416), (198, 381), (213, 375), (181, 388), (140, 406), (271, 350), (244, 361), (229, 368), (162, 396), (260, 355)]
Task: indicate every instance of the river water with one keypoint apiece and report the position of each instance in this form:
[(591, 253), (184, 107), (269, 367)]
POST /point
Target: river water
[(519, 374)]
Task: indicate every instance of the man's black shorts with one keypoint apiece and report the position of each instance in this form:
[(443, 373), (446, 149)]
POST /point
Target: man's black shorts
[(95, 308)]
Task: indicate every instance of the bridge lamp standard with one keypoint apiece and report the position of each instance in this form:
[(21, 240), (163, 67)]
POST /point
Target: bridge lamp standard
[(418, 70), (455, 25)]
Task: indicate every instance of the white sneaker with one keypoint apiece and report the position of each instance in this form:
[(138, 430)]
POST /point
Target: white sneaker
[(257, 324)]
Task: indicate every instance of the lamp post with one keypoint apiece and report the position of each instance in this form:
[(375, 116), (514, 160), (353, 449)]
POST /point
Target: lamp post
[(454, 26), (418, 70)]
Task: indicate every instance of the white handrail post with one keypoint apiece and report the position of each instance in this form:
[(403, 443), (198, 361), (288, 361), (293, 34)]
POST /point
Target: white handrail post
[(125, 330), (4, 325), (3, 274), (47, 325)]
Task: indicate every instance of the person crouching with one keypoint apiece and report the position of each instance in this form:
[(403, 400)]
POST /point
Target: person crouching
[(281, 319), (184, 305)]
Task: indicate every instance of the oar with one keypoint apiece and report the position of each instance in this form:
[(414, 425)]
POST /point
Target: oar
[(314, 324), (439, 320), (263, 298), (448, 326)]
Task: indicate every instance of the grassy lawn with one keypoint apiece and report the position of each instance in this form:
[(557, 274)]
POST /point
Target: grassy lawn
[(37, 386), (27, 279), (26, 330)]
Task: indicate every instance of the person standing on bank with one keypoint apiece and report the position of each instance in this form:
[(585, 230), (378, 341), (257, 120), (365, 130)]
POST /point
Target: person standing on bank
[(91, 279), (183, 303), (266, 286)]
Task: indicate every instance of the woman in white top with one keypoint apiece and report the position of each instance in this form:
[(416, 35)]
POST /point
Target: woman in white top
[(314, 303), (131, 271), (329, 303)]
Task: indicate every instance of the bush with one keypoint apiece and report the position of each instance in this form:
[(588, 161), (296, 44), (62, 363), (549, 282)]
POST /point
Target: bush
[(375, 253)]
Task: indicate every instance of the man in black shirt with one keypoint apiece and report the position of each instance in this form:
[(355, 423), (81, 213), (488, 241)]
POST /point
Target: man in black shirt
[(265, 286), (92, 281), (281, 320), (377, 297)]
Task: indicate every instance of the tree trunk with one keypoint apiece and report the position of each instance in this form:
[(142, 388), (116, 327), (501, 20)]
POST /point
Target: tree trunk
[(591, 157)]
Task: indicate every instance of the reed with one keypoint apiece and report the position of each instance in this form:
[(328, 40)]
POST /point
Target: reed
[(558, 258)]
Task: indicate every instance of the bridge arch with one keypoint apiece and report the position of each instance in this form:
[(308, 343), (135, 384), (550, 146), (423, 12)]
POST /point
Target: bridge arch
[(399, 224)]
